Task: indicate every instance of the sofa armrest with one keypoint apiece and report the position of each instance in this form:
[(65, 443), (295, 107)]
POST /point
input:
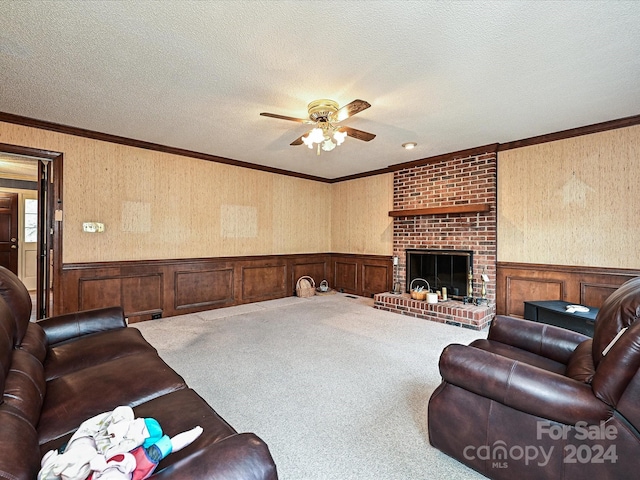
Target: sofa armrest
[(549, 341), (243, 456), (62, 328), (521, 386)]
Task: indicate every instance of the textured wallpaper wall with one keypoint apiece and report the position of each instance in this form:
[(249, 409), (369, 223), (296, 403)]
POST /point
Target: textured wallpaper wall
[(161, 206), (569, 202), (572, 201), (360, 215)]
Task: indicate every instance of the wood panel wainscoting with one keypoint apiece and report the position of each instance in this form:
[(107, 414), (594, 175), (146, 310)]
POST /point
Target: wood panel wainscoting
[(520, 282), (152, 288)]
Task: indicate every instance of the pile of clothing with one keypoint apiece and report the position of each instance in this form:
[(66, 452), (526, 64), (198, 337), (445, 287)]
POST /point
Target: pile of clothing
[(113, 446)]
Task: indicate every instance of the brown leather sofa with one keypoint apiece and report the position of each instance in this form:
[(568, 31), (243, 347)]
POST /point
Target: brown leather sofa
[(60, 371), (539, 402)]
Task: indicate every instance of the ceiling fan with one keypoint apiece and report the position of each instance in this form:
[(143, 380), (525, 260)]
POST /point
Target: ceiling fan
[(325, 115)]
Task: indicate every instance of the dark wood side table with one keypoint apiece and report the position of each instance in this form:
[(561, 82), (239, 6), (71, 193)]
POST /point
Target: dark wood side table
[(554, 312)]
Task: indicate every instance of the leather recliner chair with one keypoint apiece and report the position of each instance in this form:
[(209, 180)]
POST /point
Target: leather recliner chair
[(534, 401)]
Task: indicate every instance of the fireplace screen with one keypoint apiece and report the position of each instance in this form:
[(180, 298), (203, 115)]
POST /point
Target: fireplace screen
[(441, 268)]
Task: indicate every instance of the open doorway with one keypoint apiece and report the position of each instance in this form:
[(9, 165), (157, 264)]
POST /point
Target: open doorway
[(30, 233), (19, 229)]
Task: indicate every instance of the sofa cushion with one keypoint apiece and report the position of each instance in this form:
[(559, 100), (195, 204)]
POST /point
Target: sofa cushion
[(75, 397), (242, 456), (13, 291), (94, 349), (219, 452), (176, 412), (7, 334), (180, 411), (20, 458), (35, 342), (25, 386)]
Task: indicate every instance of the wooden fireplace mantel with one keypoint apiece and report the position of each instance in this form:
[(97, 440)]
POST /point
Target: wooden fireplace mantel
[(467, 208)]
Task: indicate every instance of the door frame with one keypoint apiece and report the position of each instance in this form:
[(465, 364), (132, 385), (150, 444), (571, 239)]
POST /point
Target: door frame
[(49, 228)]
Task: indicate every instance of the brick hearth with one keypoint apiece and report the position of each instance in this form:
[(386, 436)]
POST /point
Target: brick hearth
[(452, 312)]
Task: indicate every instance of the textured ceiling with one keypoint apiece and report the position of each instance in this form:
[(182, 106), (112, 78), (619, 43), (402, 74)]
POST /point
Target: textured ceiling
[(196, 75)]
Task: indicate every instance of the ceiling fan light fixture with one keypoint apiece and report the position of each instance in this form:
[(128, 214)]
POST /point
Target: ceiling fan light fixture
[(324, 136), (339, 137), (328, 145), (316, 135)]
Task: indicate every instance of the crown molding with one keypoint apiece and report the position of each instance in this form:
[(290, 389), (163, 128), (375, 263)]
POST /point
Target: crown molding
[(106, 137), (490, 148), (572, 132)]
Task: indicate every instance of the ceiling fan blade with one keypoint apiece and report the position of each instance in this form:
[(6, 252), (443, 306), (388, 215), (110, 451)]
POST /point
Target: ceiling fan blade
[(284, 117), (298, 141), (358, 134), (350, 109)]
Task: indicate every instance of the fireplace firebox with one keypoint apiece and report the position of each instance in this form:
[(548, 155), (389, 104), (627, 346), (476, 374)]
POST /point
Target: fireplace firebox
[(441, 268)]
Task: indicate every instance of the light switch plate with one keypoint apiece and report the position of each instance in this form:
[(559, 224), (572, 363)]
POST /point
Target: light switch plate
[(93, 227)]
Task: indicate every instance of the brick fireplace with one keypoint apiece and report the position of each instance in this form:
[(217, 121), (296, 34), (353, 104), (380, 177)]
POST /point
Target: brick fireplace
[(447, 204)]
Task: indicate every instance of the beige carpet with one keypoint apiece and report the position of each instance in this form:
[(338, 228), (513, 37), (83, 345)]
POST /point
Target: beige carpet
[(336, 388)]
